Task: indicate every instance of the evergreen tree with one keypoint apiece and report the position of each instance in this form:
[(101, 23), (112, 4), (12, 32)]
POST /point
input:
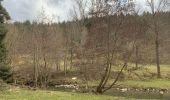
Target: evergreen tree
[(5, 72)]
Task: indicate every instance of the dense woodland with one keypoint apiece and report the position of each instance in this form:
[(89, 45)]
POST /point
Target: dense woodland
[(101, 46)]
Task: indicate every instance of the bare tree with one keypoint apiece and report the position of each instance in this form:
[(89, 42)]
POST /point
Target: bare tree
[(157, 6), (104, 10)]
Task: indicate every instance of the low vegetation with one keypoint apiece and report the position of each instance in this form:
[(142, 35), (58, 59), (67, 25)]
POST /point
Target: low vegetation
[(54, 95), (157, 83)]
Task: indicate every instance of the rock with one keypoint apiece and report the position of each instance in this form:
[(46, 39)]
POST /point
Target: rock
[(124, 90), (161, 92), (68, 86), (74, 78)]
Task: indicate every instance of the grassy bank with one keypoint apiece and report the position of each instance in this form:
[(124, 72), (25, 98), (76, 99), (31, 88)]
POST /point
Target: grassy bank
[(155, 83), (53, 95)]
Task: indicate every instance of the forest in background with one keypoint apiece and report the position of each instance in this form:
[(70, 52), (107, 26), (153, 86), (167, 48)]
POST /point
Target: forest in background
[(38, 52)]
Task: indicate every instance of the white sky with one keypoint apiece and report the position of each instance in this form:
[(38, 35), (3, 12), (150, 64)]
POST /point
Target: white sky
[(21, 10)]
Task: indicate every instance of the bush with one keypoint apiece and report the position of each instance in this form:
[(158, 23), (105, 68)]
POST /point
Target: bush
[(5, 73), (3, 86)]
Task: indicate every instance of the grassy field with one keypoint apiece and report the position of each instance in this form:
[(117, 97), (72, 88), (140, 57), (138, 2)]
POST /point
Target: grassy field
[(54, 95), (21, 94), (155, 83), (136, 81), (152, 82)]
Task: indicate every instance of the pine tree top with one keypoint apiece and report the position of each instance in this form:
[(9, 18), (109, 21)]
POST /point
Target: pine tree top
[(3, 13)]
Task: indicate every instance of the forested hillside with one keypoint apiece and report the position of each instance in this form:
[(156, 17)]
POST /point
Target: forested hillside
[(37, 49)]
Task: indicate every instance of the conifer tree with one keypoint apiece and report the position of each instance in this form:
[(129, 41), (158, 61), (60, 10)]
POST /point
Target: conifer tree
[(5, 72)]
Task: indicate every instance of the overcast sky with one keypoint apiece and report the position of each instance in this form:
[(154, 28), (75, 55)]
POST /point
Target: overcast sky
[(21, 10)]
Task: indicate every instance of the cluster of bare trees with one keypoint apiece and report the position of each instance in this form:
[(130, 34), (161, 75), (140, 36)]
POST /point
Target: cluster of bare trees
[(33, 45), (103, 35)]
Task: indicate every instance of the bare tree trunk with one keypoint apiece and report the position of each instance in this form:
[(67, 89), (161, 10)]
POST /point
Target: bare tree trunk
[(102, 90), (35, 70), (103, 80), (156, 29), (137, 58), (57, 66), (46, 72), (157, 55), (71, 58), (156, 7), (117, 78), (65, 65)]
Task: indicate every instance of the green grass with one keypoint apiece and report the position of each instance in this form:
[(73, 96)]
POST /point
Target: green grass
[(165, 69), (54, 95), (145, 81), (156, 83), (58, 95)]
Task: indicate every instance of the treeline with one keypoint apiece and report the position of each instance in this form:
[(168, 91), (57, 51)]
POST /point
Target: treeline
[(38, 51)]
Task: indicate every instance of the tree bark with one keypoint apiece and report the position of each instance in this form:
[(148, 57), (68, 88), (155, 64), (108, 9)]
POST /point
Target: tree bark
[(157, 46), (157, 56), (136, 57)]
